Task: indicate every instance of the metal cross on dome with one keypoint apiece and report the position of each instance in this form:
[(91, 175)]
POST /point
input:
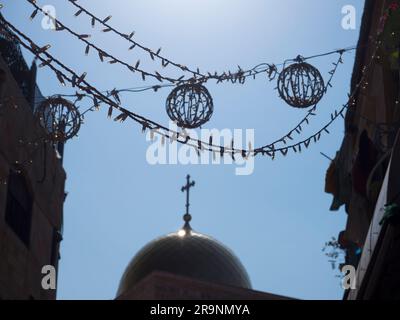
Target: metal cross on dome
[(189, 184)]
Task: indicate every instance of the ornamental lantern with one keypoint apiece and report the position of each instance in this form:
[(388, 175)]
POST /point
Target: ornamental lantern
[(300, 84), (60, 118), (190, 105)]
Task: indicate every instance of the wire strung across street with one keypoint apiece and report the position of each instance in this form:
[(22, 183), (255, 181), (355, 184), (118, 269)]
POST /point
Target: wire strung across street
[(239, 76), (199, 145), (268, 68)]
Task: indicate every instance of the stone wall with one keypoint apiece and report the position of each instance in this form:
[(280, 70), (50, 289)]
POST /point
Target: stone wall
[(160, 285), (22, 148), (356, 175)]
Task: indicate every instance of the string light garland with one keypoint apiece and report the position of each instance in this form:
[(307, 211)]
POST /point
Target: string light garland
[(43, 139), (310, 113), (182, 137), (83, 85), (196, 76), (180, 113), (129, 37), (289, 136), (34, 145), (18, 165), (175, 115), (79, 82), (101, 53), (238, 76), (200, 109)]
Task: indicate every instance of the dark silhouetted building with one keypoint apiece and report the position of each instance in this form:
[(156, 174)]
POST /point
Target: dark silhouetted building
[(31, 183), (364, 177)]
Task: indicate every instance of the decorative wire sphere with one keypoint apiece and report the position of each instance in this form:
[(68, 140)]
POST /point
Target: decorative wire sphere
[(60, 118), (190, 105), (301, 85)]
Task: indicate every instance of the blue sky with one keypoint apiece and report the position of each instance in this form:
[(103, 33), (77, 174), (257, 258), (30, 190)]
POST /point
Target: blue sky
[(277, 219)]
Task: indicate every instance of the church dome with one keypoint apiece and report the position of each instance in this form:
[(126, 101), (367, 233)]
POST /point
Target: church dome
[(186, 253)]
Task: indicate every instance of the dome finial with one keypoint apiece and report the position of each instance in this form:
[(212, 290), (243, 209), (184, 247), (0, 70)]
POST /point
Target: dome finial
[(187, 217)]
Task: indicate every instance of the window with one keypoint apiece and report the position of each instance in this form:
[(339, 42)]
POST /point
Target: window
[(19, 207)]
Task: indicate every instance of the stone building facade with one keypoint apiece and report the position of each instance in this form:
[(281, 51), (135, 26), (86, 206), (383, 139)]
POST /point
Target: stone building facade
[(160, 285), (364, 175), (31, 184)]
